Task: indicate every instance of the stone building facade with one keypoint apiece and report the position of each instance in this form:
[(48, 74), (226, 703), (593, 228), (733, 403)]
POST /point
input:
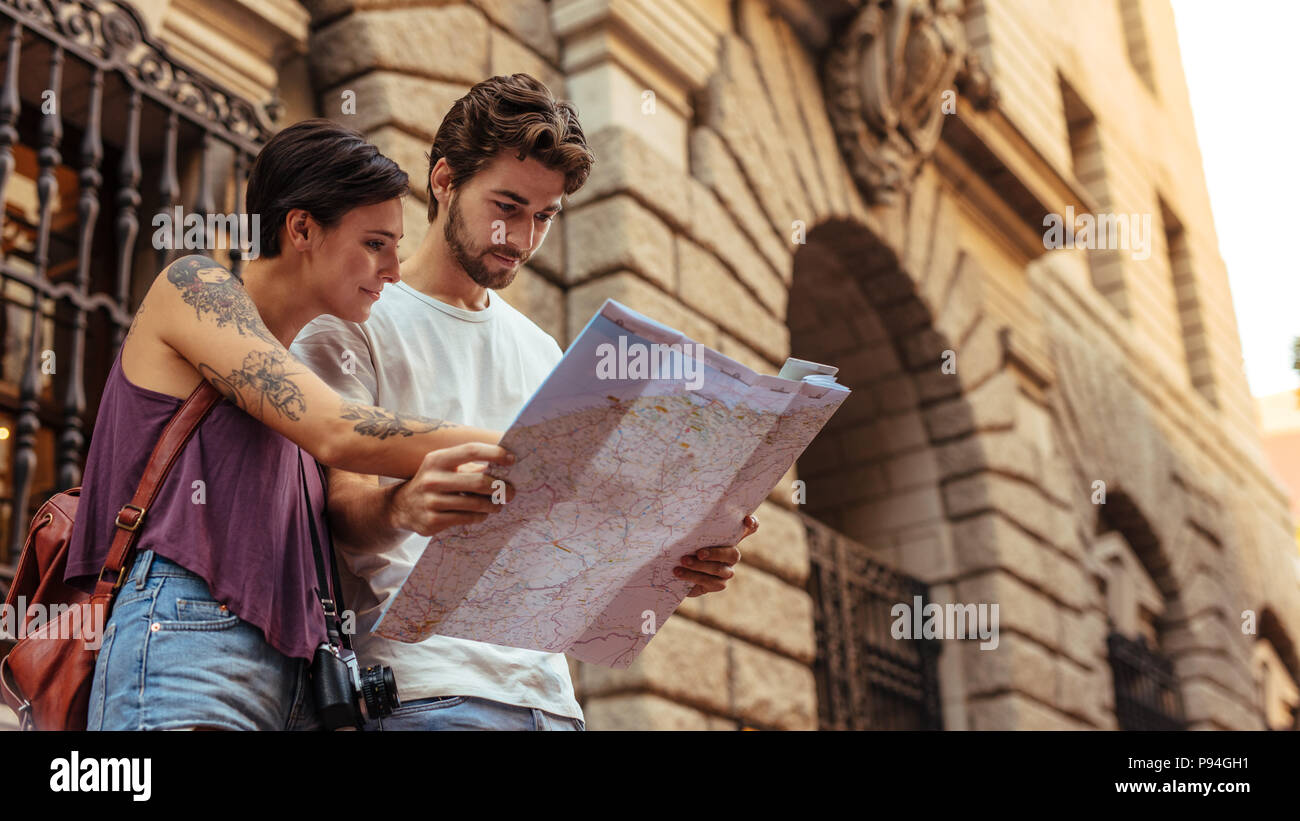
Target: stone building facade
[(1065, 432), (1279, 427)]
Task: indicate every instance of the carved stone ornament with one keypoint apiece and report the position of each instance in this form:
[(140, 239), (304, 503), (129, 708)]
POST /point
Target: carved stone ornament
[(886, 78)]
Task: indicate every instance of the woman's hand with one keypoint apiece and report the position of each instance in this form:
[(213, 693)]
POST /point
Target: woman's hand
[(450, 489)]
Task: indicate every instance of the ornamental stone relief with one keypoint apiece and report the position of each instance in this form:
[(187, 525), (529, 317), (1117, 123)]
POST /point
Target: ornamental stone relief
[(887, 75)]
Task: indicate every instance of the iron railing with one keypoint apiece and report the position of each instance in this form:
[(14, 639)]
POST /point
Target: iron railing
[(90, 68), (1146, 689), (867, 679)]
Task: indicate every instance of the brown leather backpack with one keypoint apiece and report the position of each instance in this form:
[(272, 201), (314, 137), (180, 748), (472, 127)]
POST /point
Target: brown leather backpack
[(46, 677)]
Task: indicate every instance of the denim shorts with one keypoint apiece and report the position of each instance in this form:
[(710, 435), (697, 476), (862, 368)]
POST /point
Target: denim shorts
[(172, 657), (471, 713)]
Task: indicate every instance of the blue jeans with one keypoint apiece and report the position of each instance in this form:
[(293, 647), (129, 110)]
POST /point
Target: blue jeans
[(173, 657), (471, 713)]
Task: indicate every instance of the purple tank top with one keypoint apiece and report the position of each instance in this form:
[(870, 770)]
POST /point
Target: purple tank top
[(244, 530)]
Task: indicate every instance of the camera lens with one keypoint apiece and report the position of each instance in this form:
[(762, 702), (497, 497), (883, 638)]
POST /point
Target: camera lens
[(379, 688)]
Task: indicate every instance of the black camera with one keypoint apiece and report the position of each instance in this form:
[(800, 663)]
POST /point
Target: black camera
[(347, 696)]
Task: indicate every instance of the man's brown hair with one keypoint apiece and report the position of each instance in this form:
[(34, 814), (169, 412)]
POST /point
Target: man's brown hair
[(516, 114)]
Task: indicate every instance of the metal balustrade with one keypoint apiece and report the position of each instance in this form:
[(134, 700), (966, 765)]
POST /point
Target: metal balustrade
[(867, 679), (1146, 689), (92, 106)]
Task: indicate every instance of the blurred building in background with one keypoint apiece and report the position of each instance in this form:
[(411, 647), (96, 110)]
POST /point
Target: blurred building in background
[(1279, 426), (1047, 417)]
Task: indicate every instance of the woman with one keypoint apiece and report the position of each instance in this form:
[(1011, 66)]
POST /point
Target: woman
[(218, 620)]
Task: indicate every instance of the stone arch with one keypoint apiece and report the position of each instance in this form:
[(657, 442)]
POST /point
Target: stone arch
[(1142, 605), (1272, 628), (1123, 515), (1272, 632), (877, 473), (874, 473), (1114, 437)]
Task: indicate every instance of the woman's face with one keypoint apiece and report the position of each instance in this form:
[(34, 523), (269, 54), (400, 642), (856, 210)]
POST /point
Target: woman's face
[(354, 260)]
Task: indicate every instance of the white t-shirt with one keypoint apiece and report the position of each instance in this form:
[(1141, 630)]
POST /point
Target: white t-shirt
[(417, 355)]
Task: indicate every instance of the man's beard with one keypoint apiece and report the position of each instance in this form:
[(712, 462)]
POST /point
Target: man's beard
[(458, 241)]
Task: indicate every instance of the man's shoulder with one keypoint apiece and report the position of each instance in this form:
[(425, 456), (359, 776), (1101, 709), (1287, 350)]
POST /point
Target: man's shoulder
[(520, 325), (392, 314), (327, 328)]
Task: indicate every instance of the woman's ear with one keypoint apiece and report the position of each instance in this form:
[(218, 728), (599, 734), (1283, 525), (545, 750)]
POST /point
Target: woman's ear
[(300, 229)]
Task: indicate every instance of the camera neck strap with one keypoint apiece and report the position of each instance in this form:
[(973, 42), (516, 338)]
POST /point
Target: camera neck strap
[(330, 592)]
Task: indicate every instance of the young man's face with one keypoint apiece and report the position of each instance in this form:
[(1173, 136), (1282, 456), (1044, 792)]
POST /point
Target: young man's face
[(499, 217)]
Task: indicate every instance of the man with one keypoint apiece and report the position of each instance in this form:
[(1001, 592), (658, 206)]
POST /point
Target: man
[(441, 344)]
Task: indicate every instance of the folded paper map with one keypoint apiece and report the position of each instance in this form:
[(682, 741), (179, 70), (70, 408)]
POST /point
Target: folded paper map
[(641, 447)]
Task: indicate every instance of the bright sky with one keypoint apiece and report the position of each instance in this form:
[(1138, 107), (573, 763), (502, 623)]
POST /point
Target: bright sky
[(1241, 59)]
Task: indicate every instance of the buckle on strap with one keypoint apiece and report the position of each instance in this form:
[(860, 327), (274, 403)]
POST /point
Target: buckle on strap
[(134, 524), (121, 575)]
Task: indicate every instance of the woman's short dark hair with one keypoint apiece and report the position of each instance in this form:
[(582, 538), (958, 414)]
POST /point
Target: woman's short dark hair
[(323, 168)]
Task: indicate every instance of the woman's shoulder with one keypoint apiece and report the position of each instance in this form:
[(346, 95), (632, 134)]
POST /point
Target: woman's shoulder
[(148, 362)]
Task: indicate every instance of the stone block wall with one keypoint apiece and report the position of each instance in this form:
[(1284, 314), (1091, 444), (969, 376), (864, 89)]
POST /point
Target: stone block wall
[(721, 204)]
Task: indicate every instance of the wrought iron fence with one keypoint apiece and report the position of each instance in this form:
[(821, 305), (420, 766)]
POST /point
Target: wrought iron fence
[(1146, 689), (866, 679), (83, 79)]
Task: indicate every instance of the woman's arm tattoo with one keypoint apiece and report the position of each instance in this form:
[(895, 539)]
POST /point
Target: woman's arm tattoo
[(262, 381), (210, 288), (135, 322), (264, 378), (381, 424)]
